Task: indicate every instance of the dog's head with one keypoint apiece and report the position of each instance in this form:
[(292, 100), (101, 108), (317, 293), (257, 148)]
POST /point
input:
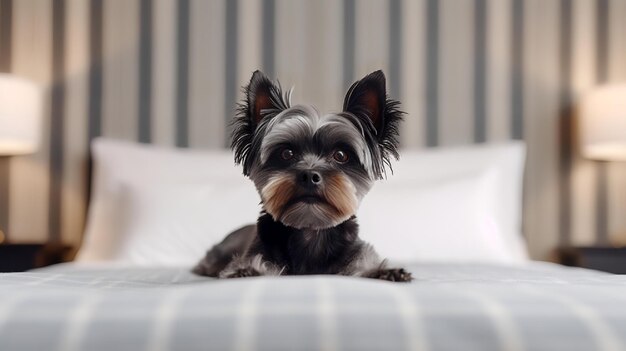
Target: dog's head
[(312, 170)]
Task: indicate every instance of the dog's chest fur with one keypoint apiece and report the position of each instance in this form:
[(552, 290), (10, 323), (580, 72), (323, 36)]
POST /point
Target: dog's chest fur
[(326, 251)]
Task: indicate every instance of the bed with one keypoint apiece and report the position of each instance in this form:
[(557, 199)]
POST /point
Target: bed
[(450, 217), (537, 306)]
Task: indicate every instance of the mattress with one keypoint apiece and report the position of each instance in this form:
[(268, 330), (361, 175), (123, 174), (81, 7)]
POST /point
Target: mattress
[(538, 306)]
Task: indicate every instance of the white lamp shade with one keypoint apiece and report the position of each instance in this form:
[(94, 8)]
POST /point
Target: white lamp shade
[(603, 123), (21, 107)]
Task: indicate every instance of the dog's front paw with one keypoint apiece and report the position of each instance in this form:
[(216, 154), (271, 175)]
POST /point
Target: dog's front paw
[(243, 273), (391, 274)]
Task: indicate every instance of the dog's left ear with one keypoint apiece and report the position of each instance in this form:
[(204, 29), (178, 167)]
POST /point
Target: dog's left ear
[(367, 99)]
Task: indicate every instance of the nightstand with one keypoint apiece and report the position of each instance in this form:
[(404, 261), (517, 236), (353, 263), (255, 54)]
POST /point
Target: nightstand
[(607, 259), (22, 257)]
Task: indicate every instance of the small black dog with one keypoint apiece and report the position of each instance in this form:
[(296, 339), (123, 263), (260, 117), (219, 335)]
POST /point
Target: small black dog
[(311, 171)]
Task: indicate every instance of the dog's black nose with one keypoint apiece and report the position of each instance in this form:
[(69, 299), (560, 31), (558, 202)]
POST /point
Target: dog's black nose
[(310, 178)]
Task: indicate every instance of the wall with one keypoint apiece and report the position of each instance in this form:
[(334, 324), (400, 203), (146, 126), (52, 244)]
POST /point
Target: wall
[(169, 72)]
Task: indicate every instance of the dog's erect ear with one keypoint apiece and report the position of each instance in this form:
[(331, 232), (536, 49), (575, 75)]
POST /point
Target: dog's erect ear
[(367, 99), (263, 99), (259, 96)]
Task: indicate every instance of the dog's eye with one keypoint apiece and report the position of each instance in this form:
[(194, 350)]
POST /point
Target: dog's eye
[(286, 154), (340, 156)]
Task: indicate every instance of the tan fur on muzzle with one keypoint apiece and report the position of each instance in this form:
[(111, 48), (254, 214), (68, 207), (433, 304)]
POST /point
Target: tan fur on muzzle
[(341, 194), (276, 193), (340, 203)]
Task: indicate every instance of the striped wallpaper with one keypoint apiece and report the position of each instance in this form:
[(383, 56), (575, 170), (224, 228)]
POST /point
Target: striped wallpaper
[(168, 72)]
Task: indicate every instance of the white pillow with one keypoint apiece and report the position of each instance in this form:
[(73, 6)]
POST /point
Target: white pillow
[(153, 205), (178, 223), (508, 158), (159, 189), (452, 219), (432, 193)]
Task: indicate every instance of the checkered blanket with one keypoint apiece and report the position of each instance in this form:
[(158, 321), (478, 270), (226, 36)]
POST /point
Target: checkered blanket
[(447, 307)]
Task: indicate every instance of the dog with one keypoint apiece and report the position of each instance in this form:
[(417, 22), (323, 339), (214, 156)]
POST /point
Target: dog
[(311, 172)]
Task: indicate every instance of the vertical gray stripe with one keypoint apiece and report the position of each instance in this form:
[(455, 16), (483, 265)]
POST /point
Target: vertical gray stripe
[(395, 47), (94, 126), (231, 85), (432, 76), (6, 10), (565, 122), (145, 71), (480, 73), (95, 69), (602, 196), (349, 37), (517, 67), (602, 40), (269, 36), (182, 81), (57, 124), (6, 22)]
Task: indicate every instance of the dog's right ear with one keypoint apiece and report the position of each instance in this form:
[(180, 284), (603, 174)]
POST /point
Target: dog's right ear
[(263, 99)]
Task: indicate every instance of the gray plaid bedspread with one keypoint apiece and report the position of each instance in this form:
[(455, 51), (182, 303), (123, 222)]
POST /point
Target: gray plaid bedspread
[(448, 307)]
